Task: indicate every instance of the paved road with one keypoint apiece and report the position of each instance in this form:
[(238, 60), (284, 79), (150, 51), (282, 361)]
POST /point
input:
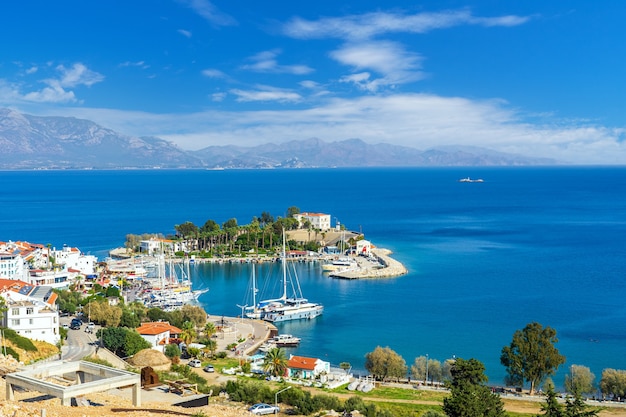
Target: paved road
[(79, 343)]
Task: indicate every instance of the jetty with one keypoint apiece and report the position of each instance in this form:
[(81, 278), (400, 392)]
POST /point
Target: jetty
[(388, 268)]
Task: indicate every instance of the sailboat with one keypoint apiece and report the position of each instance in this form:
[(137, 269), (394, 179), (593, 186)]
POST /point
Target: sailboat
[(288, 308), (171, 291)]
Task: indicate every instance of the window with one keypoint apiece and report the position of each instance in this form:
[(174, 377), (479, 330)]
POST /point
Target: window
[(31, 321), (15, 311), (15, 322), (29, 310)]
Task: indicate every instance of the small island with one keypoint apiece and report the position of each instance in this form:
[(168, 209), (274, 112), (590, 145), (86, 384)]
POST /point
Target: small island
[(344, 254)]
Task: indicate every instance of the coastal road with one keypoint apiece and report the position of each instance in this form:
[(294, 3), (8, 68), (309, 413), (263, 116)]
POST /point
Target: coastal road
[(79, 343)]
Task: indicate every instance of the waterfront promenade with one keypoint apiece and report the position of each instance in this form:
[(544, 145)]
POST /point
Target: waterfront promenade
[(233, 329)]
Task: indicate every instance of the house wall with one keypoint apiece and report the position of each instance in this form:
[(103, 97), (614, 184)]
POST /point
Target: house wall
[(33, 320)]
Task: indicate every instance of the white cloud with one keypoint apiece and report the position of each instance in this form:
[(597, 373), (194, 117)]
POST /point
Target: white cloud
[(389, 59), (369, 25), (139, 64), (185, 33), (57, 90), (264, 93), (32, 70), (218, 97), (78, 74), (266, 62), (418, 120), (209, 12), (213, 73)]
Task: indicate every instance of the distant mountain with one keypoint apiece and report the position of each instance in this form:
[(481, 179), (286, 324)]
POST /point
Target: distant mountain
[(34, 142), (29, 142), (356, 153)]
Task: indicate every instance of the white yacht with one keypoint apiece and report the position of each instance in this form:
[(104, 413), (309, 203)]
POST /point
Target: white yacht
[(288, 308)]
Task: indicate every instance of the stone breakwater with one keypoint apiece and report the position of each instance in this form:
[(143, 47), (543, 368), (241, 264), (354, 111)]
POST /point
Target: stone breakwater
[(390, 267)]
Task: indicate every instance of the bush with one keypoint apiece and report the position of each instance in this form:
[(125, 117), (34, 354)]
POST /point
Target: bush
[(11, 352), (19, 341)]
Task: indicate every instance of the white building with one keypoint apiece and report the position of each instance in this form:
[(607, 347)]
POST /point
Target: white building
[(31, 311), (160, 246), (73, 258), (12, 266), (363, 247), (318, 221), (158, 333)]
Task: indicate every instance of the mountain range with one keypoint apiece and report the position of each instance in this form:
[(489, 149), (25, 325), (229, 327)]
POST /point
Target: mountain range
[(36, 142)]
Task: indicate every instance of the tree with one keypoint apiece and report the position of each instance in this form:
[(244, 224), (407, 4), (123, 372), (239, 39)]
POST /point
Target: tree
[(209, 329), (133, 343), (613, 383), (275, 362), (552, 408), (580, 380), (469, 396), (292, 211), (531, 356), (129, 319), (384, 363), (188, 333), (576, 407), (172, 350), (187, 229), (194, 314)]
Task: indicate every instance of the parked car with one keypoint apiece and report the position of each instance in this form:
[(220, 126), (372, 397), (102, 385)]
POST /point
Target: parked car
[(76, 324), (90, 327), (209, 368), (262, 408), (195, 363)]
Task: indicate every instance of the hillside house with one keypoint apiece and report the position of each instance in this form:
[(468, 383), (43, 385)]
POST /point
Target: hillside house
[(158, 334), (318, 221), (306, 368), (31, 310)]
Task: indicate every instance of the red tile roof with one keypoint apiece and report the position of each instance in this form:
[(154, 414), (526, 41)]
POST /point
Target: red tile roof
[(300, 362), (157, 327)]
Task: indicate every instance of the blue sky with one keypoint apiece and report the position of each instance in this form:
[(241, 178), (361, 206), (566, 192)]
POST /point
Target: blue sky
[(544, 79)]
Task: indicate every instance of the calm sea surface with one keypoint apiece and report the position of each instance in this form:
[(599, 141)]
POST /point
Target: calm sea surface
[(485, 259)]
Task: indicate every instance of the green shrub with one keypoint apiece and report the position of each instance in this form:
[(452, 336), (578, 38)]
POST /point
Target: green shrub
[(19, 341), (11, 352)]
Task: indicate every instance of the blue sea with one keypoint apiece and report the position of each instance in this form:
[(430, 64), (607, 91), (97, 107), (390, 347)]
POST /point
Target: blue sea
[(484, 259)]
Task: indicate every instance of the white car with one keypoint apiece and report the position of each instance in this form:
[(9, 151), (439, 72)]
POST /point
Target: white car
[(262, 408), (195, 363)]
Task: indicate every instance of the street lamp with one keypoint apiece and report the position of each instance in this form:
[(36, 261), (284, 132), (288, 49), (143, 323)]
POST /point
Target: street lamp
[(242, 309), (276, 397)]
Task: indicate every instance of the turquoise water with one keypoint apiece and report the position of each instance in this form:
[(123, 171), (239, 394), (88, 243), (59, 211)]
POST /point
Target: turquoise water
[(485, 259)]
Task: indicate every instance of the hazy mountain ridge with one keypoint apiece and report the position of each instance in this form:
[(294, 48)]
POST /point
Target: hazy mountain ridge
[(35, 142), (66, 142)]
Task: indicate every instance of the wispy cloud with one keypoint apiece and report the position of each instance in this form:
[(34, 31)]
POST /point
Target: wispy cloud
[(213, 73), (57, 89), (390, 59), (266, 62), (266, 93), (421, 121), (185, 33), (138, 64), (209, 12), (369, 25)]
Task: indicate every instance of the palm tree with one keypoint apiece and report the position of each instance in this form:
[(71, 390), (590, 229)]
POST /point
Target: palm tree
[(189, 333), (211, 345), (209, 329), (275, 362)]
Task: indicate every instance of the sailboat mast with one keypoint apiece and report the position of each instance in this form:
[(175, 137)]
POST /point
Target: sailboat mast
[(284, 256)]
